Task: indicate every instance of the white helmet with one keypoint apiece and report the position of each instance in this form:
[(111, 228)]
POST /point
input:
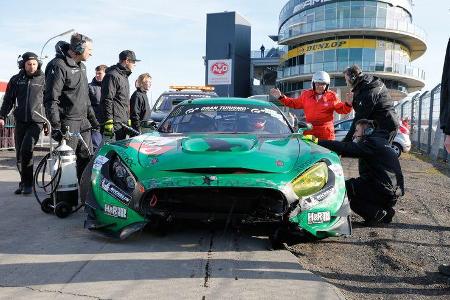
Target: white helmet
[(321, 77)]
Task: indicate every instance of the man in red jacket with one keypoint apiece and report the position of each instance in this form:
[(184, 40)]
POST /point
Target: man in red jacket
[(319, 104)]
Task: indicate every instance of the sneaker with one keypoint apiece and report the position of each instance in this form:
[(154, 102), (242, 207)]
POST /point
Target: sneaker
[(27, 190), (390, 213), (444, 269), (379, 216)]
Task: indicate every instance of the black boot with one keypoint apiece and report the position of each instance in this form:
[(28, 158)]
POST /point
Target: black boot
[(19, 190)]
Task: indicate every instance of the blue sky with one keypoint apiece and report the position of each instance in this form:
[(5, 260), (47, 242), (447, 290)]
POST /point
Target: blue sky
[(169, 36)]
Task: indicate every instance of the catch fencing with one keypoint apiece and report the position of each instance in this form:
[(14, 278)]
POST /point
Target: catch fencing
[(423, 109)]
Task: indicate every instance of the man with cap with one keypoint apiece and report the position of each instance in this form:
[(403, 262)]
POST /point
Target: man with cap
[(371, 100), (24, 93), (115, 98), (67, 102)]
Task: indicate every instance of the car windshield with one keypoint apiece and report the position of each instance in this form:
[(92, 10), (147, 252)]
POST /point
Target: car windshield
[(222, 118), (167, 102)]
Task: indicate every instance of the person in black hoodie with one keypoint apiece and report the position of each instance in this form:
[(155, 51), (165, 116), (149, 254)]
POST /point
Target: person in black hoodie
[(25, 92), (115, 99), (380, 183), (371, 100), (444, 120), (95, 92), (66, 100), (139, 106)]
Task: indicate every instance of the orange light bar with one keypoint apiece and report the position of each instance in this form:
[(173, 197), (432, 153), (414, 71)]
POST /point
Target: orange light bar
[(192, 87)]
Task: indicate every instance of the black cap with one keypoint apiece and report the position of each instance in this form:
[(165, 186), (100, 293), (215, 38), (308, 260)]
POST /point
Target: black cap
[(28, 56), (128, 54)]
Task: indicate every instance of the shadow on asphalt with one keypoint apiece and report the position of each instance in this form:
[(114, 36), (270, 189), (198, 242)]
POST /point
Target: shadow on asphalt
[(430, 278)]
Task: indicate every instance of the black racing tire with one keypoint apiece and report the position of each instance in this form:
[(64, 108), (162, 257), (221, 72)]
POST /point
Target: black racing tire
[(397, 148), (47, 205), (62, 210)]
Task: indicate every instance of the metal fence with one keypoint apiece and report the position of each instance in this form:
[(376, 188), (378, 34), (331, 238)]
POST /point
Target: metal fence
[(422, 109)]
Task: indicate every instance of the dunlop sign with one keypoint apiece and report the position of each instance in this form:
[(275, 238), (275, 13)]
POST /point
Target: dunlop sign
[(321, 46)]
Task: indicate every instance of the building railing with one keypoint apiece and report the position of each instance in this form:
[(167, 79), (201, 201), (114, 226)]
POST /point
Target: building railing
[(423, 112), (351, 23), (401, 69)]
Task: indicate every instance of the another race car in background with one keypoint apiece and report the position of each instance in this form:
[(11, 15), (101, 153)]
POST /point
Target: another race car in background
[(176, 94), (401, 142), (225, 159)]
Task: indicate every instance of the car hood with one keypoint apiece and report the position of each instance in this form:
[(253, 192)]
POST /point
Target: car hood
[(233, 153)]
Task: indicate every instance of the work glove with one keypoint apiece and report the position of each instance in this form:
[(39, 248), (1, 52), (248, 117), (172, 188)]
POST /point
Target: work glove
[(108, 128), (57, 135), (129, 122), (2, 123), (95, 124), (310, 138)]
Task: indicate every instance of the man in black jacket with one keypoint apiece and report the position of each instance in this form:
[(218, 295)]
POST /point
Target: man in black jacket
[(25, 92), (95, 92), (444, 117), (115, 99), (139, 106), (444, 120), (373, 194), (66, 99), (371, 100)]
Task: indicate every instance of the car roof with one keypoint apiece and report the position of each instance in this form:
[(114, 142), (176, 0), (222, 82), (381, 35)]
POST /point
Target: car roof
[(229, 101)]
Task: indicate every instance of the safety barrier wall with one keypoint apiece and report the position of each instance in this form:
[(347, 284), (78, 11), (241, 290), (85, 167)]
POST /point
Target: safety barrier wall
[(423, 109)]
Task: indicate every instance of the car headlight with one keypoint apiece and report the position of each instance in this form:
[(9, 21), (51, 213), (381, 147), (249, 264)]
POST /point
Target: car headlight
[(121, 176), (311, 181)]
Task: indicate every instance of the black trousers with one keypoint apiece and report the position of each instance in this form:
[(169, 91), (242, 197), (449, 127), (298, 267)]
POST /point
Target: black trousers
[(26, 137), (365, 200), (83, 152)]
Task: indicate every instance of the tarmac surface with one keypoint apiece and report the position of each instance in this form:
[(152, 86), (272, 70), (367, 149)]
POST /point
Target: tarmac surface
[(44, 257)]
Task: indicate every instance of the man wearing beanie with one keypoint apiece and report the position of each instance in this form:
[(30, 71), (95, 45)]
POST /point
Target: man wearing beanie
[(24, 93), (67, 102), (115, 99)]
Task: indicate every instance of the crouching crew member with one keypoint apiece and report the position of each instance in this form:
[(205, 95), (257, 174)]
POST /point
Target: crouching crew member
[(25, 92), (374, 194)]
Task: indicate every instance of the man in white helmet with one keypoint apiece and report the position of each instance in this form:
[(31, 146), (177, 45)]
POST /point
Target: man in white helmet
[(319, 105)]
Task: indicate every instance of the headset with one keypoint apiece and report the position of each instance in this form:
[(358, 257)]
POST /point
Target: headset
[(79, 47), (21, 62), (352, 76), (369, 129)]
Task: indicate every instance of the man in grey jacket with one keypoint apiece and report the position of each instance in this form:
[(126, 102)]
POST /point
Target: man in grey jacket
[(115, 99)]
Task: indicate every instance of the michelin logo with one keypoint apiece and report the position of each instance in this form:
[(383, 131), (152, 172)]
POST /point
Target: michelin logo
[(114, 191)]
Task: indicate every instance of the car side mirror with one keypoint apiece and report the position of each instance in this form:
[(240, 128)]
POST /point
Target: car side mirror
[(303, 126), (149, 124)]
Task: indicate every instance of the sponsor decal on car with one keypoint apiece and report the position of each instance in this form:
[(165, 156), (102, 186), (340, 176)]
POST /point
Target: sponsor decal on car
[(319, 217), (115, 191), (322, 194), (154, 145), (115, 211), (99, 162)]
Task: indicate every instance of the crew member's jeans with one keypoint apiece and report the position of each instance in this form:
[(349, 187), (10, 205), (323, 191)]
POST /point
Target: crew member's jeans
[(26, 137)]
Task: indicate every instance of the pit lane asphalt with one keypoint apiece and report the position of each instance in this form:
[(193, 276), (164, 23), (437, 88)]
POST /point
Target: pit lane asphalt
[(42, 257)]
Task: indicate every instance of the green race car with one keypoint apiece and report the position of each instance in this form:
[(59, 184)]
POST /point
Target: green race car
[(216, 159)]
